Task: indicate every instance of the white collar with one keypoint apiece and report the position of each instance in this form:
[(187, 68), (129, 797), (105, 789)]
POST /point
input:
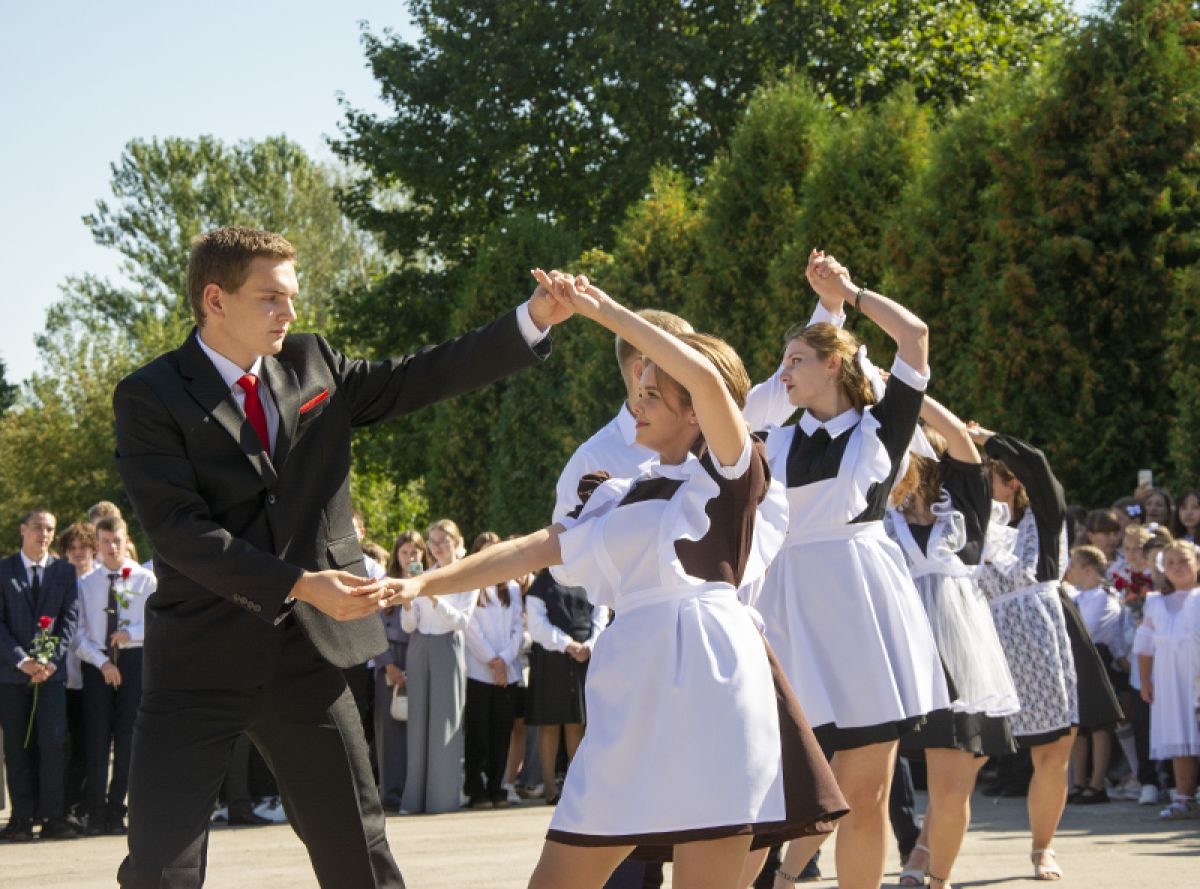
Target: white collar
[(229, 371), (627, 424), (127, 563), (834, 427), (29, 563), (678, 471)]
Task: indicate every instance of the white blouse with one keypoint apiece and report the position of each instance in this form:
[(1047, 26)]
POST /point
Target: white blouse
[(450, 614), (495, 630), (551, 637)]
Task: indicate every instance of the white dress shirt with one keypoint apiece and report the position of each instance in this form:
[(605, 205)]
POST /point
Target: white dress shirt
[(30, 563), (1101, 612), (41, 567), (612, 449), (231, 373), (495, 630), (91, 637), (551, 637)]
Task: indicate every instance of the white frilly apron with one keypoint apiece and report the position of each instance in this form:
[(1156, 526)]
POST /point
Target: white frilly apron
[(683, 728), (840, 608)]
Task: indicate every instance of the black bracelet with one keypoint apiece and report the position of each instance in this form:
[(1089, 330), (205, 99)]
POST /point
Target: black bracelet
[(858, 296)]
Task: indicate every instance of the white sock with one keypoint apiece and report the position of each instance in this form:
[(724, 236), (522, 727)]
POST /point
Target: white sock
[(1128, 747)]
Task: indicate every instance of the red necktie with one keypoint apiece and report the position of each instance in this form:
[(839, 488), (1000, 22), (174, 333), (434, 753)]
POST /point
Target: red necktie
[(254, 410)]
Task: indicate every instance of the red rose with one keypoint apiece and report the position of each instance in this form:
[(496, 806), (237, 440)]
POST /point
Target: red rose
[(125, 572), (45, 622)]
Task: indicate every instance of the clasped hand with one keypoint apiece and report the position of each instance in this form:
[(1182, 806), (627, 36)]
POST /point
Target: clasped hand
[(37, 672)]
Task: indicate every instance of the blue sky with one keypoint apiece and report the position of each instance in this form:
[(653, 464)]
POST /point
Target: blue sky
[(79, 79)]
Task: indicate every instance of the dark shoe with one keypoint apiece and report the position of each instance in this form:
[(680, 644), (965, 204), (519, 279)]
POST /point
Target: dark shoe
[(96, 824), (1074, 794), (247, 819), (500, 802), (811, 872), (18, 830), (996, 788), (1015, 789), (1090, 796), (114, 824), (478, 803), (58, 829), (553, 800)]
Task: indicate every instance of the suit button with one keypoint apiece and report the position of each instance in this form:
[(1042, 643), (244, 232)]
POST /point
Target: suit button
[(271, 499)]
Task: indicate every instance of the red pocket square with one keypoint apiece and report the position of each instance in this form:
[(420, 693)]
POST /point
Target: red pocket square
[(313, 402)]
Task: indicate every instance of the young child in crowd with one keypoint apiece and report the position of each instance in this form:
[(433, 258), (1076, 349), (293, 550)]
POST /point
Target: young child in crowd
[(1104, 533), (1101, 610), (1169, 668), (1187, 518)]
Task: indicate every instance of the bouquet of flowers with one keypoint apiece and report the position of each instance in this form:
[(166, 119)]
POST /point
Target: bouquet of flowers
[(123, 595), (43, 647), (1132, 587)]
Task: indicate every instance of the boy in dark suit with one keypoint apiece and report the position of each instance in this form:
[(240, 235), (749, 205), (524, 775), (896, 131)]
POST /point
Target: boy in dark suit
[(34, 584), (235, 452)]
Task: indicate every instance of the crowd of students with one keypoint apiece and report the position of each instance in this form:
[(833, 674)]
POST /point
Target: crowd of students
[(988, 620)]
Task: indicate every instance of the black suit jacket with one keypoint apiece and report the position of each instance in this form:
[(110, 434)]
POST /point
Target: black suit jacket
[(233, 528), (58, 598)]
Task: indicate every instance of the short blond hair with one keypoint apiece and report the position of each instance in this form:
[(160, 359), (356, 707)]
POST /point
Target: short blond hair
[(672, 324)]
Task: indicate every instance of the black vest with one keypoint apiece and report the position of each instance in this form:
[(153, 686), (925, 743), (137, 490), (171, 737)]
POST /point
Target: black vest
[(567, 607)]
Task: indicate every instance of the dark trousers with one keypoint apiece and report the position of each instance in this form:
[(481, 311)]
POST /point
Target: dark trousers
[(308, 728), (902, 803), (488, 721), (76, 752), (39, 795), (108, 715), (1147, 769), (632, 874)]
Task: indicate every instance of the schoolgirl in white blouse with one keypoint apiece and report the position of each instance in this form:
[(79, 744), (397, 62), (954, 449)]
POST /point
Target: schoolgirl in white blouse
[(494, 635)]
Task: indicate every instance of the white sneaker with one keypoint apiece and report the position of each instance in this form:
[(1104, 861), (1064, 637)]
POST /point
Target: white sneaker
[(1130, 790), (271, 808), (221, 816), (1148, 796), (513, 798)]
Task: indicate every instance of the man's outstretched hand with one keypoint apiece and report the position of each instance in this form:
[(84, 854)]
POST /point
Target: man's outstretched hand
[(340, 594), (546, 311)]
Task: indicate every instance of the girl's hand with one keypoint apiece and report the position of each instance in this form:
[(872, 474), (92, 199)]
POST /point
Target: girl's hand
[(575, 293), (978, 434), (395, 675), (828, 277), (400, 591), (1148, 692)]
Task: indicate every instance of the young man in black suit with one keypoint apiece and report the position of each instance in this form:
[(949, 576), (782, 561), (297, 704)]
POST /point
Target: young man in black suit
[(34, 584), (235, 451)]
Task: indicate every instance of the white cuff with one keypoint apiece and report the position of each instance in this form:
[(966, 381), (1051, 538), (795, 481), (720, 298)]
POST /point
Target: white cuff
[(908, 375), (532, 333), (823, 315), (738, 469)]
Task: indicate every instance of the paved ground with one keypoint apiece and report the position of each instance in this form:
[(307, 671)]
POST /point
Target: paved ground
[(1121, 845)]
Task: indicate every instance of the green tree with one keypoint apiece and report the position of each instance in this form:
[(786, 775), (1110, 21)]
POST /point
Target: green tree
[(564, 109), (164, 193), (8, 392)]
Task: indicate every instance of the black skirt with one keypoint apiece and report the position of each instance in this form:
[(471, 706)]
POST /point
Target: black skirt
[(974, 733), (833, 738), (1098, 706), (556, 684)]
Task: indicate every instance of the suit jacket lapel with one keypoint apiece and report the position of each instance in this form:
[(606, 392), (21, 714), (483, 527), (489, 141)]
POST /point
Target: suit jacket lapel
[(20, 579), (285, 391), (206, 386)]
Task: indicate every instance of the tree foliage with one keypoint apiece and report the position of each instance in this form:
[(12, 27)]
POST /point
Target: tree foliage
[(165, 192)]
